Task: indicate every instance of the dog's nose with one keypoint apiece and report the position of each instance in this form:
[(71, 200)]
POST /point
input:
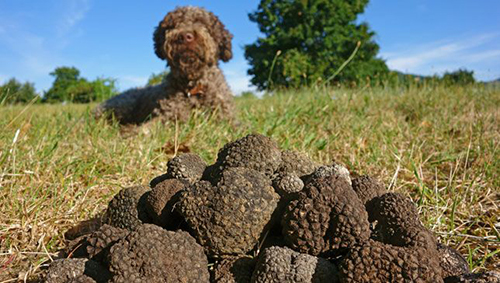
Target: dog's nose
[(188, 37)]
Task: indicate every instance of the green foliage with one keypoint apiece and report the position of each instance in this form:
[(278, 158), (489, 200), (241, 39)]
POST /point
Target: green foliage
[(69, 86), (104, 88), (158, 78), (306, 41), (80, 92), (248, 95), (460, 77), (13, 92), (64, 78)]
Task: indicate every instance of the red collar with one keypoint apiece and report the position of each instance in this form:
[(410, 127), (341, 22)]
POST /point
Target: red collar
[(199, 89)]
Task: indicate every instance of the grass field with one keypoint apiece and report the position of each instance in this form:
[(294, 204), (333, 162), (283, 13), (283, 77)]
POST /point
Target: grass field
[(438, 145)]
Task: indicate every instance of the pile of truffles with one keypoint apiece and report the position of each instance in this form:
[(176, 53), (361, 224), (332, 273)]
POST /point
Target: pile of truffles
[(260, 214)]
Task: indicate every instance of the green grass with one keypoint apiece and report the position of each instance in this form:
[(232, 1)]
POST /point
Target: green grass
[(440, 146)]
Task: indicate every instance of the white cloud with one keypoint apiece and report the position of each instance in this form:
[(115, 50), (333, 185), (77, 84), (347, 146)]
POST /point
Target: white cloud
[(420, 55), (490, 55), (74, 13), (236, 76), (444, 55), (31, 55)]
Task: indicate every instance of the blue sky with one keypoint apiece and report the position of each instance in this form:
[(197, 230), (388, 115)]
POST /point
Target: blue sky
[(114, 38)]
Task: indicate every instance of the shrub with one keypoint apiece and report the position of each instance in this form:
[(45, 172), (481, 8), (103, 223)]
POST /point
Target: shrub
[(69, 86), (158, 78), (13, 92)]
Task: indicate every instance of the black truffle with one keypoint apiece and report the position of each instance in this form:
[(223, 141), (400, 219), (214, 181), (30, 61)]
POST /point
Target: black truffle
[(297, 163), (277, 264), (396, 222), (373, 261), (127, 209), (287, 184), (327, 216), (152, 254), (234, 270), (101, 240), (367, 188), (187, 166), (161, 200), (96, 245), (328, 170), (452, 262), (483, 277), (82, 279), (230, 218), (76, 270), (254, 151)]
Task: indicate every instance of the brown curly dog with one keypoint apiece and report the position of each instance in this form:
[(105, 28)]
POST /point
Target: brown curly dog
[(192, 40)]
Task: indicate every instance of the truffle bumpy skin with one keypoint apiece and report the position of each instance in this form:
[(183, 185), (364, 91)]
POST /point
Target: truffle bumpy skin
[(326, 217), (234, 270), (397, 223), (127, 209), (367, 188), (327, 170), (81, 279), (192, 40), (101, 240), (483, 277), (375, 262), (76, 270), (254, 151), (152, 254), (161, 200), (287, 185), (230, 218), (96, 245), (297, 163), (452, 262), (187, 166), (277, 264), (294, 165)]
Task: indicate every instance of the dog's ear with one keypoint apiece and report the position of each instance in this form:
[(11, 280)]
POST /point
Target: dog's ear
[(225, 46), (159, 36), (159, 40), (223, 37)]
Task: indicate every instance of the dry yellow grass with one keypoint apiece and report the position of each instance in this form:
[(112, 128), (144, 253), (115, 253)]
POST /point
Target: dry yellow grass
[(437, 145)]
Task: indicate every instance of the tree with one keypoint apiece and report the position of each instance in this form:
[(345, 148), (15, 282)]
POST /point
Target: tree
[(15, 92), (158, 78), (460, 77), (69, 86), (65, 77), (306, 41), (104, 88)]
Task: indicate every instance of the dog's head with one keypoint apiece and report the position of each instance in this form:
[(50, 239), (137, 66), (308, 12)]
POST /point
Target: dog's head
[(190, 38)]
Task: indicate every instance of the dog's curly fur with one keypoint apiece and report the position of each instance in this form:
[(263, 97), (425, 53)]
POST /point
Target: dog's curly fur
[(192, 40)]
